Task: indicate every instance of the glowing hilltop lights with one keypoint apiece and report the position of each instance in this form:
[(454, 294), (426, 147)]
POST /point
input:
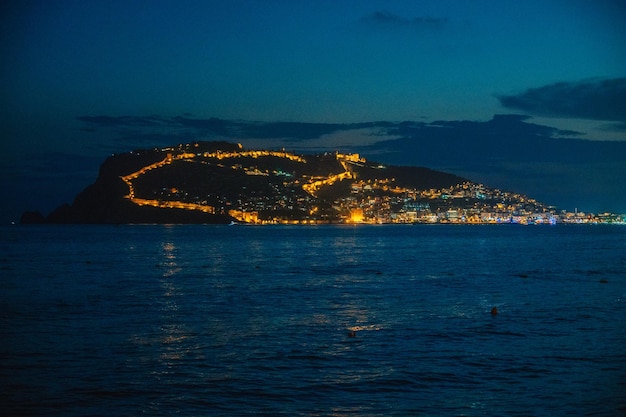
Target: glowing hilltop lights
[(248, 217), (345, 160), (253, 154), (313, 187)]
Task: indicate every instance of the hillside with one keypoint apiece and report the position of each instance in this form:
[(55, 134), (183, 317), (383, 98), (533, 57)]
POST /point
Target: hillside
[(220, 182)]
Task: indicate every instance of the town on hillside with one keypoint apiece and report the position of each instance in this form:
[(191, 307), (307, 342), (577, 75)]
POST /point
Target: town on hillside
[(280, 187)]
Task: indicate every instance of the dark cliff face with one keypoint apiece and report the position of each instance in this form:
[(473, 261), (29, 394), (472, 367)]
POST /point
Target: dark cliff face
[(101, 202), (216, 182), (413, 177), (104, 201)]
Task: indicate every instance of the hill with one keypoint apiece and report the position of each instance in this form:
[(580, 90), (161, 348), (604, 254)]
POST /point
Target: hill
[(220, 182)]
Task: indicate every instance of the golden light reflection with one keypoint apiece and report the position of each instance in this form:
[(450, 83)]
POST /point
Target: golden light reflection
[(173, 340), (170, 264), (174, 333)]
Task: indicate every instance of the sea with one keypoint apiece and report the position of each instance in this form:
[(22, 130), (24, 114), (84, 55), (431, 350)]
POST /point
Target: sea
[(329, 320)]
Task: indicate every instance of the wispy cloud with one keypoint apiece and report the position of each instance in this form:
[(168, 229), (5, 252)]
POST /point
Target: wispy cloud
[(140, 128), (594, 99), (388, 20), (116, 121)]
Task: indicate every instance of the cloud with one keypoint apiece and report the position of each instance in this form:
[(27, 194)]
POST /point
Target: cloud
[(116, 121), (458, 144), (139, 127), (385, 19), (593, 99), (439, 138)]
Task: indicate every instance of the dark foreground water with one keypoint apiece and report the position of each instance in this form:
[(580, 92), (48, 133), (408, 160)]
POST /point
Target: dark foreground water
[(313, 321)]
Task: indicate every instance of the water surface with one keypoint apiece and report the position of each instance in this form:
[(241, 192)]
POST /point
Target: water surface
[(320, 320)]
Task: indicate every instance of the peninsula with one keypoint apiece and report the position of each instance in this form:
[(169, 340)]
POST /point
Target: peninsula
[(221, 182)]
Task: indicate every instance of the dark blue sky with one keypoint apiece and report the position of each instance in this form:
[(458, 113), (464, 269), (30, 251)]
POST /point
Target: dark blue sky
[(82, 79)]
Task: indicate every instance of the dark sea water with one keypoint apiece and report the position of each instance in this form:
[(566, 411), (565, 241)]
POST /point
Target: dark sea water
[(313, 321)]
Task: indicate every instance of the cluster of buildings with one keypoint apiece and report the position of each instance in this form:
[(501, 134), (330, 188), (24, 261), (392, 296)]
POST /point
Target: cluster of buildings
[(469, 203)]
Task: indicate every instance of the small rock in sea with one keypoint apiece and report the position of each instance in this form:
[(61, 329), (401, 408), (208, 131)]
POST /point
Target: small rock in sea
[(604, 281), (352, 333), (494, 311)]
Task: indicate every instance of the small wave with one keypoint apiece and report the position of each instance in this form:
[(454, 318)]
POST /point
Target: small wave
[(370, 327)]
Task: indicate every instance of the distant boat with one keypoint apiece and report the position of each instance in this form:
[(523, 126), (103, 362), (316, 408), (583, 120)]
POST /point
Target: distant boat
[(233, 223)]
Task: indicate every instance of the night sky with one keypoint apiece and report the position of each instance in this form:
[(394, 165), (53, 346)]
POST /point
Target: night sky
[(527, 96)]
